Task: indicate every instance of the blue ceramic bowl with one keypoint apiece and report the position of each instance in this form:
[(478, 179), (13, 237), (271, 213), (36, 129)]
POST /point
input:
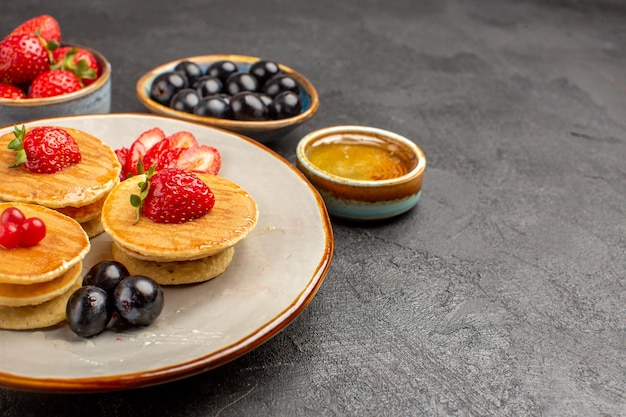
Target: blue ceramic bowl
[(262, 131), (362, 173), (94, 98)]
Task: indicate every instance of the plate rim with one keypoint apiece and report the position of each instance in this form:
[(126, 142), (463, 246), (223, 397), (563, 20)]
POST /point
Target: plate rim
[(210, 360)]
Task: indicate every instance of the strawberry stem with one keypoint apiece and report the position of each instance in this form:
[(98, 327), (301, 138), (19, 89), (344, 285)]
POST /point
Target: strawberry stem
[(16, 145), (136, 200)]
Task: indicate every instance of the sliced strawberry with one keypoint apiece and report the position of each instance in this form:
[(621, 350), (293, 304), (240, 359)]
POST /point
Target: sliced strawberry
[(141, 146), (182, 139), (122, 156), (200, 158), (153, 155), (169, 158)]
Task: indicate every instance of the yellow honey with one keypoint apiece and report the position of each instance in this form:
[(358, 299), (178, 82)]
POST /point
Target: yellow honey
[(358, 157)]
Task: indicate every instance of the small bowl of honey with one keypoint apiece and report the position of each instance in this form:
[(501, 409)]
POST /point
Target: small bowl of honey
[(362, 173)]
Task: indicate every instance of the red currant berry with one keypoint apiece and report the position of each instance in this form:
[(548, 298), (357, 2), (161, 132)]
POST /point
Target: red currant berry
[(9, 235), (12, 215), (32, 231)]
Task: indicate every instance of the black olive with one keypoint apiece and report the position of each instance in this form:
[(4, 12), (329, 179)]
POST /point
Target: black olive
[(214, 106), (165, 85), (286, 104), (185, 100), (248, 106), (264, 70), (280, 83), (221, 69), (240, 81), (208, 85), (191, 70)]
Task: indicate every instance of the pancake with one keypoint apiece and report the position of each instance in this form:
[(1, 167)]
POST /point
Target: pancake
[(84, 213), (233, 216), (39, 316), (176, 273), (17, 295), (64, 245), (93, 227), (76, 186)]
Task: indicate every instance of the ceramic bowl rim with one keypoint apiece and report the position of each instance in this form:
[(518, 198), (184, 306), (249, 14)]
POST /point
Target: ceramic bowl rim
[(229, 124), (64, 98), (416, 172)]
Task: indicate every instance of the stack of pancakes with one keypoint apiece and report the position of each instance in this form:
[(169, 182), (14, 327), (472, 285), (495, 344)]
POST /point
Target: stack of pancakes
[(77, 191), (36, 282), (185, 253)]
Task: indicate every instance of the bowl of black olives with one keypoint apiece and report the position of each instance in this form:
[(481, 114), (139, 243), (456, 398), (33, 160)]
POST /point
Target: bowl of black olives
[(255, 97)]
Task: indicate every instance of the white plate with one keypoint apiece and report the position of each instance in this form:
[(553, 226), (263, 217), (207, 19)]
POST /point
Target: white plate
[(275, 273)]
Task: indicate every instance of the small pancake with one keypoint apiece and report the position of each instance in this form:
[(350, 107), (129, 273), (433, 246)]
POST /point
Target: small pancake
[(64, 245), (85, 213), (93, 227), (176, 273), (17, 295), (233, 216), (78, 185), (40, 316)]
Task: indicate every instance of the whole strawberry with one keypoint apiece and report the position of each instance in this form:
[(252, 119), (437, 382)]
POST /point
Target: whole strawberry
[(22, 58), (173, 196), (45, 26), (45, 149), (78, 60), (54, 83), (11, 91)]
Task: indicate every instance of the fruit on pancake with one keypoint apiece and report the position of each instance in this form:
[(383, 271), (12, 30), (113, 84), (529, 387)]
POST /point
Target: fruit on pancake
[(44, 25), (54, 83), (18, 230), (9, 235), (173, 196), (11, 91), (23, 57), (179, 150), (13, 215), (33, 230), (77, 60), (45, 149)]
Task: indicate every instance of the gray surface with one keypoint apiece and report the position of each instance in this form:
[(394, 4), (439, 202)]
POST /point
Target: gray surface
[(503, 292)]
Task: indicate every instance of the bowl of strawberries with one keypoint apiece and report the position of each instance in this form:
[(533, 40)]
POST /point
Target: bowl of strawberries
[(41, 77)]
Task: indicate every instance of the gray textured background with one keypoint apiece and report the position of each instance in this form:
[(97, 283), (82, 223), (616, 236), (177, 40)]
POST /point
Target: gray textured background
[(502, 293)]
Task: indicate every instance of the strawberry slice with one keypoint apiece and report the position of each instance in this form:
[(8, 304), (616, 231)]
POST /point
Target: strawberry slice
[(154, 154), (200, 158), (164, 153), (122, 156), (141, 146), (182, 139), (169, 158)]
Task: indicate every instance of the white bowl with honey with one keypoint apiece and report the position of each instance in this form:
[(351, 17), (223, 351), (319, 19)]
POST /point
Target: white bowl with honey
[(361, 172)]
